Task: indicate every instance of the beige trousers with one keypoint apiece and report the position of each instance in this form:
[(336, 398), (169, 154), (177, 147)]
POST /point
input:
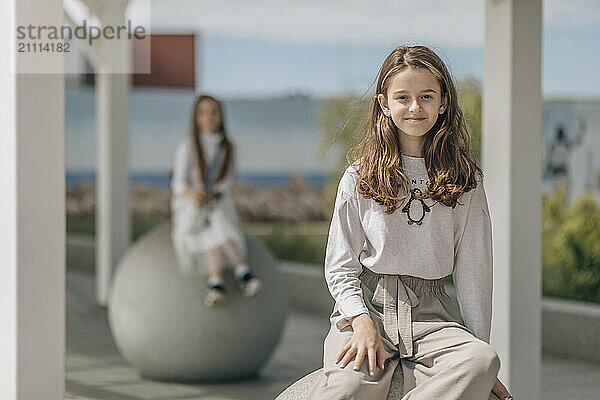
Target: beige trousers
[(421, 328)]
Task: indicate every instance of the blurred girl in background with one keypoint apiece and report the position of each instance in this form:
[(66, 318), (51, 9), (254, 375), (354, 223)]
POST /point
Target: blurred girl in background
[(205, 221)]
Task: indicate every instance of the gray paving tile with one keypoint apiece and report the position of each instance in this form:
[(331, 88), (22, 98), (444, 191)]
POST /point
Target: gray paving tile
[(148, 390), (104, 376), (569, 379)]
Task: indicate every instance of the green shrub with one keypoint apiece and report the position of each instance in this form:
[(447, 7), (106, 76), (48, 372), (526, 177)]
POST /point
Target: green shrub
[(288, 242), (571, 247), (140, 224), (342, 123)]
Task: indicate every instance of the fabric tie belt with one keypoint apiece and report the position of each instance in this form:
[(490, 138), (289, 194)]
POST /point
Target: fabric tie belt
[(397, 299)]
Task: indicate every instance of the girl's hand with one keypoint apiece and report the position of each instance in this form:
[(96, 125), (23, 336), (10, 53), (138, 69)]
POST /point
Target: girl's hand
[(205, 199), (199, 196), (500, 390), (365, 341)]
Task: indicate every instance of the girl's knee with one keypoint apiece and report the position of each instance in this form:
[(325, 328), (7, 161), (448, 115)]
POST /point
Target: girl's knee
[(483, 358), (348, 383)]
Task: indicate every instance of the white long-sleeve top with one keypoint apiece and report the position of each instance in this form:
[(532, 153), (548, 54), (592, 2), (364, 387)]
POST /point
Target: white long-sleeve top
[(185, 166), (449, 241), (188, 239)]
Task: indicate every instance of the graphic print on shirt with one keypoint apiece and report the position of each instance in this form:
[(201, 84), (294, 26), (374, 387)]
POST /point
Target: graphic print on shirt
[(415, 212), (416, 208)]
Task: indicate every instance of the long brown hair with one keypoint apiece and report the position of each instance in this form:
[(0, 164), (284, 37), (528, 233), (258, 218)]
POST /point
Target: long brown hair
[(449, 159), (199, 151)]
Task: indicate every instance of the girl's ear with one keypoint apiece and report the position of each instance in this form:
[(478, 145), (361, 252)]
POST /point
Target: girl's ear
[(382, 100), (444, 105)]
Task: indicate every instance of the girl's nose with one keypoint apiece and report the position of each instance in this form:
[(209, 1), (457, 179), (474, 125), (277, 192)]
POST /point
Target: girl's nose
[(414, 105)]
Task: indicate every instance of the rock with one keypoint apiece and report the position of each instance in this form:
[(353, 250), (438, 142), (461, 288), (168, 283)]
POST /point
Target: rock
[(161, 326), (296, 201)]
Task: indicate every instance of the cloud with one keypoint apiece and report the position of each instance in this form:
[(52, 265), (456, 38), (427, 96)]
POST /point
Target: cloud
[(454, 23), (458, 22), (572, 14)]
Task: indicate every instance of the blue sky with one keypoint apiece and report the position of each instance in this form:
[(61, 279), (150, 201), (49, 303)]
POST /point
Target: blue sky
[(264, 48), (571, 60), (236, 67)]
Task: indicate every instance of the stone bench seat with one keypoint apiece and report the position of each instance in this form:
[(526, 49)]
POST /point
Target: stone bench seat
[(300, 389)]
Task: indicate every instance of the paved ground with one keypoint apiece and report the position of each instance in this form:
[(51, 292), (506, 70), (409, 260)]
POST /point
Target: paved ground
[(95, 370)]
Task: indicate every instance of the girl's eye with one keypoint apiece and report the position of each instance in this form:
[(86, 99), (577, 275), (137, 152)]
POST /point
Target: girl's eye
[(426, 97)]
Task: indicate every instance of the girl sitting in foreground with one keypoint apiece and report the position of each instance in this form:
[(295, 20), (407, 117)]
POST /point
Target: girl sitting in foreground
[(410, 210)]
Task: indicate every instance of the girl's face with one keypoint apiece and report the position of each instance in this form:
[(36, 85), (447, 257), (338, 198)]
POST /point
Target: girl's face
[(208, 116), (414, 101)]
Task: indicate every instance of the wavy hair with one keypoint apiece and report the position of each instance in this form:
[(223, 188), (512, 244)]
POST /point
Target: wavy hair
[(450, 162), (199, 150)]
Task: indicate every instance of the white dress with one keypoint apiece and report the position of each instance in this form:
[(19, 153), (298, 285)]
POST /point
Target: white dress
[(191, 239)]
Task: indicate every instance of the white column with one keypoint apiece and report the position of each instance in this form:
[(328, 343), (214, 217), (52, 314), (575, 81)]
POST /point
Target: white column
[(512, 105), (112, 213), (199, 60), (32, 213), (112, 185)]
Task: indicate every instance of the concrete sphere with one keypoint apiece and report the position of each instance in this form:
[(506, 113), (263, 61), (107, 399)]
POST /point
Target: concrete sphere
[(300, 389), (162, 327)]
